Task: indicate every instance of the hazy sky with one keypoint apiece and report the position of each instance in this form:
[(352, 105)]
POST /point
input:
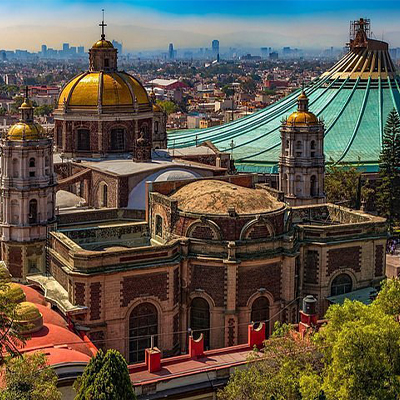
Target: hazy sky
[(152, 24)]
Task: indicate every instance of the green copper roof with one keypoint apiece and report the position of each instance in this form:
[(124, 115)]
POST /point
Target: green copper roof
[(354, 110)]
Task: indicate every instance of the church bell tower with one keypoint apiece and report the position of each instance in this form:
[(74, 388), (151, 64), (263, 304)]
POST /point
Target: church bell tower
[(27, 186), (302, 161)]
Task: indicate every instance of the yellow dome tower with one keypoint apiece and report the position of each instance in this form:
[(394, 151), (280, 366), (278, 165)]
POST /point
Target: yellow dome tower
[(102, 111)]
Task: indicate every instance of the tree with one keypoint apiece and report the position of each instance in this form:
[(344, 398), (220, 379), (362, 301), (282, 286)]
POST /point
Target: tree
[(288, 370), (361, 348), (167, 106), (11, 338), (29, 378), (343, 185), (388, 192), (106, 377), (43, 110)]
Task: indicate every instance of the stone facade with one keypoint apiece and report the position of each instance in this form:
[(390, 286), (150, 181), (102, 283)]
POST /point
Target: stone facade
[(210, 270)]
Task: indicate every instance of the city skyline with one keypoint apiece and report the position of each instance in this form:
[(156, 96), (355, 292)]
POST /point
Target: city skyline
[(152, 25)]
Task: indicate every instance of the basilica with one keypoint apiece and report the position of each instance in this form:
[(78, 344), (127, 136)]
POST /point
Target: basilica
[(134, 244)]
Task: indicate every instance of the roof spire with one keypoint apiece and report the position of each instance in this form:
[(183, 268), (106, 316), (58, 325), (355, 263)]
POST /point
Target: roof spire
[(103, 25)]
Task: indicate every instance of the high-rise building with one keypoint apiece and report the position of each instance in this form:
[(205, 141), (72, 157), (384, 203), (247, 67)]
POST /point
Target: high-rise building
[(44, 50), (81, 50), (265, 51), (215, 47), (118, 46), (65, 48), (171, 52)]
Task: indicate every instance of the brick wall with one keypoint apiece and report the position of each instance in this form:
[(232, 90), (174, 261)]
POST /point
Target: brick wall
[(311, 267), (347, 257), (250, 279), (144, 285), (211, 279), (79, 293), (15, 261), (379, 260), (95, 300)]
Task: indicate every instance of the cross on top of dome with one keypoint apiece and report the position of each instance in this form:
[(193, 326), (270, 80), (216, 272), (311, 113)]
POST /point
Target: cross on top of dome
[(103, 25)]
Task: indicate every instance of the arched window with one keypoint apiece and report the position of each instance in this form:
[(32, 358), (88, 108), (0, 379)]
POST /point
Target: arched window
[(83, 139), (260, 312), (298, 185), (117, 139), (156, 124), (46, 161), (14, 212), (299, 145), (285, 183), (32, 163), (200, 319), (341, 284), (159, 225), (15, 168), (313, 186), (312, 146), (104, 196), (33, 211), (143, 323)]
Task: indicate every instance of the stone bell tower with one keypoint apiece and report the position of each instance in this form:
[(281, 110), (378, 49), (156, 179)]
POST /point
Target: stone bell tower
[(27, 186), (302, 161)]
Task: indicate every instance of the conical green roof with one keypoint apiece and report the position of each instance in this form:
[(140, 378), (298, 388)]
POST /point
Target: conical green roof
[(353, 98)]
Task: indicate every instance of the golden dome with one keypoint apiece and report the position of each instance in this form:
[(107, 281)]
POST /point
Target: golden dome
[(25, 131), (26, 104), (103, 44), (13, 292), (27, 312), (302, 118), (117, 89)]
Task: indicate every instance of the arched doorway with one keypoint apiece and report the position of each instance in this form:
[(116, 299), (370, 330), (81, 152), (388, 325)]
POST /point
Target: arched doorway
[(200, 319), (341, 284), (33, 211), (260, 312), (118, 139), (143, 323)]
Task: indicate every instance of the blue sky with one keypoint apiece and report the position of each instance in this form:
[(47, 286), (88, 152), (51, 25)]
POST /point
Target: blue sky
[(151, 24)]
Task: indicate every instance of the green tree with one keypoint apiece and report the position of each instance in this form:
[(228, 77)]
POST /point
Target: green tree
[(17, 103), (106, 377), (228, 90), (288, 370), (343, 184), (43, 110), (29, 378), (167, 106), (11, 338), (361, 348), (388, 192)]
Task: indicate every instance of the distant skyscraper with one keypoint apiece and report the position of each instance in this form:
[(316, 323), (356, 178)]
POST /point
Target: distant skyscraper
[(65, 47), (44, 50), (171, 52), (118, 46), (265, 51), (215, 47), (81, 50)]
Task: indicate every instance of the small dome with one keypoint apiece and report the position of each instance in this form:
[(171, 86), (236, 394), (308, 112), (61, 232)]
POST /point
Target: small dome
[(14, 293), (26, 131), (217, 197), (302, 118), (26, 104), (27, 312), (103, 44), (116, 89)]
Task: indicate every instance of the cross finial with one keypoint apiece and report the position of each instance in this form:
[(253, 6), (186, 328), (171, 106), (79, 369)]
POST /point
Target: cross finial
[(102, 25)]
